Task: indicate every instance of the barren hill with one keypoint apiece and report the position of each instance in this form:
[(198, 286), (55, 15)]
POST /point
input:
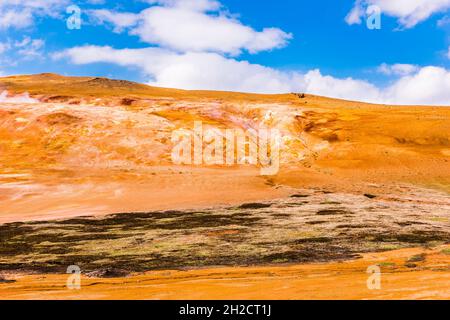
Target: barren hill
[(86, 177), (95, 145)]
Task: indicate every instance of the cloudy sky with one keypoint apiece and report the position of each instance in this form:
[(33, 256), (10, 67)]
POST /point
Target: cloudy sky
[(322, 47)]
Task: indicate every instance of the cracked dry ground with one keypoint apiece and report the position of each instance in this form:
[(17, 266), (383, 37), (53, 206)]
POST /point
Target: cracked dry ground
[(310, 226)]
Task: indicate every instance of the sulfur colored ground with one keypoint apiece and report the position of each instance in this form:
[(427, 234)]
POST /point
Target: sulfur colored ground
[(98, 146), (429, 279), (354, 178)]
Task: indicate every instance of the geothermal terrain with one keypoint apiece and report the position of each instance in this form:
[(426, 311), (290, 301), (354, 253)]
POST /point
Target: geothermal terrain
[(86, 178)]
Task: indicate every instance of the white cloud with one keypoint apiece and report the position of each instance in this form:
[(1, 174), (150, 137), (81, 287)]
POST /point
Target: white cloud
[(348, 88), (194, 25), (21, 14), (430, 85), (96, 1), (354, 16), (119, 20), (4, 46), (398, 69), (408, 12), (25, 49), (192, 70), (198, 5), (444, 21), (30, 48), (47, 6), (11, 18), (187, 30)]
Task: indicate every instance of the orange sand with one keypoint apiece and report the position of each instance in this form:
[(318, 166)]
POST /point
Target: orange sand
[(347, 280)]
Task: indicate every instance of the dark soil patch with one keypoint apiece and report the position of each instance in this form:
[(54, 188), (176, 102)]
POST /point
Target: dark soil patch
[(404, 224), (127, 101), (312, 254), (3, 280), (315, 222), (255, 206), (170, 220), (108, 273), (332, 212), (411, 265), (350, 226), (415, 237), (120, 244), (418, 258), (314, 240), (282, 215)]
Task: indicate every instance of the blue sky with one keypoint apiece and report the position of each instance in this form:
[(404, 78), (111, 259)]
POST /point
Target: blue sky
[(322, 47)]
